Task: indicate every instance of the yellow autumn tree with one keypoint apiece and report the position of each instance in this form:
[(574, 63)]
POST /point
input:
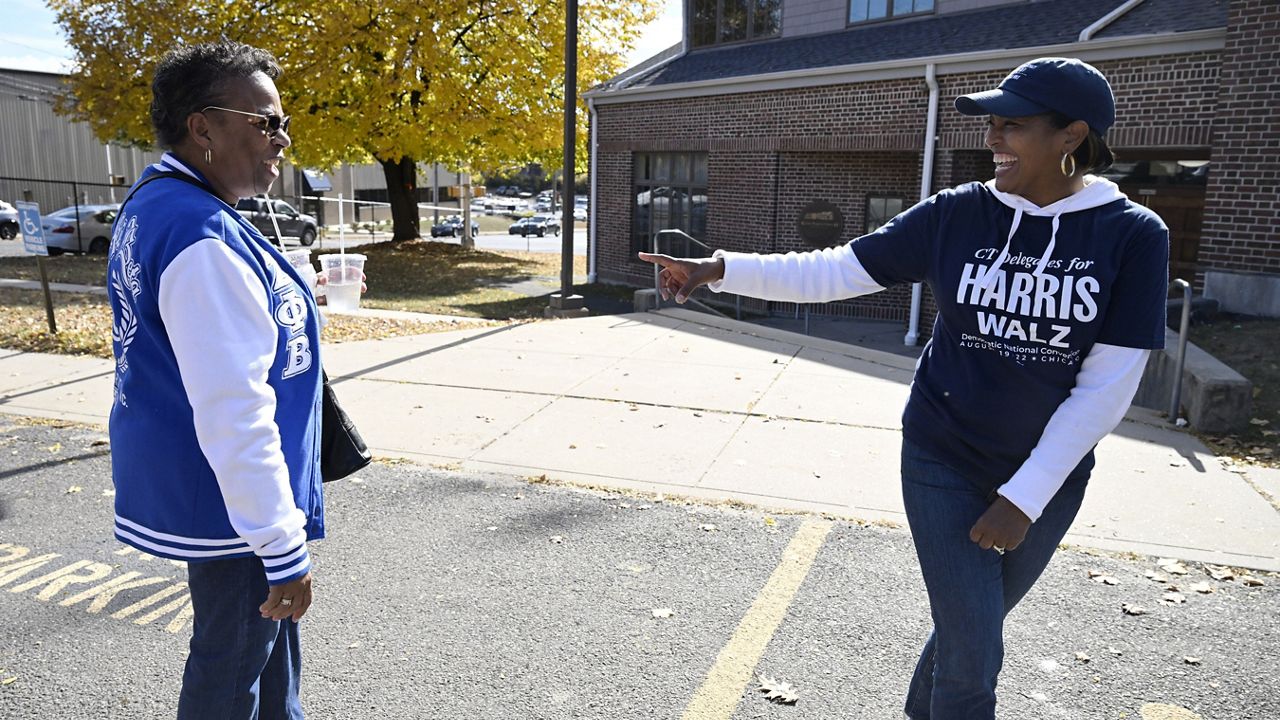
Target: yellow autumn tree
[(476, 84)]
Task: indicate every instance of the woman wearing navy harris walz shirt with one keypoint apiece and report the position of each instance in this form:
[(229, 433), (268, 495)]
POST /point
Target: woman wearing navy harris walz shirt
[(1050, 287)]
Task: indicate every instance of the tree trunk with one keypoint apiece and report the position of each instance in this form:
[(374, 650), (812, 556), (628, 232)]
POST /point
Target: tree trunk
[(402, 192)]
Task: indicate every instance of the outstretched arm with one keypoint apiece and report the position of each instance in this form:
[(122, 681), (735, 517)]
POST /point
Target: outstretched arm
[(814, 276)]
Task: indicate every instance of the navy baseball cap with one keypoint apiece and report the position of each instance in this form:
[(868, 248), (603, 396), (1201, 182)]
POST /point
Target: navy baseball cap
[(1074, 88)]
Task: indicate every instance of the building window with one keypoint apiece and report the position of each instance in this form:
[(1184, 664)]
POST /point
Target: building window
[(881, 209), (671, 194), (869, 10), (728, 21)]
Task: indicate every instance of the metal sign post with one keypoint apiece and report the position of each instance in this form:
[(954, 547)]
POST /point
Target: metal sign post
[(34, 243)]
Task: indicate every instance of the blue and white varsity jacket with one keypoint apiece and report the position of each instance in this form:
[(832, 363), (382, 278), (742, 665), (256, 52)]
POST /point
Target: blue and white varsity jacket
[(215, 442)]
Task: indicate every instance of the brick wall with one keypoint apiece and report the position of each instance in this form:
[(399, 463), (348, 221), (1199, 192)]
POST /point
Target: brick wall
[(1243, 197), (886, 115), (1163, 101)]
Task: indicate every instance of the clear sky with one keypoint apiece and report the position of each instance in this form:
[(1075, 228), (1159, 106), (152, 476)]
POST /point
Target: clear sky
[(31, 39)]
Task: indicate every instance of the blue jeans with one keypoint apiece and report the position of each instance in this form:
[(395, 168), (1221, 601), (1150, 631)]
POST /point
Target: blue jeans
[(241, 667), (970, 589)]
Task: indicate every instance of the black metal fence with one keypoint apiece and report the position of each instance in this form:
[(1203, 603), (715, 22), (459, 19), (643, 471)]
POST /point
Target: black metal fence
[(55, 195)]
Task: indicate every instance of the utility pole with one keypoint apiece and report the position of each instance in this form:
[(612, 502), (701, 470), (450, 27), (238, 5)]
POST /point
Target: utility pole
[(565, 303)]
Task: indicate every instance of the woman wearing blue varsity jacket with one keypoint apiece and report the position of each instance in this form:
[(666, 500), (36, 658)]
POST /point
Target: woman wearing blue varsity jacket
[(215, 424), (1050, 287)]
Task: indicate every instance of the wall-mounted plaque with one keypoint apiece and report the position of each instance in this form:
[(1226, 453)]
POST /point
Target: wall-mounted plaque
[(821, 224)]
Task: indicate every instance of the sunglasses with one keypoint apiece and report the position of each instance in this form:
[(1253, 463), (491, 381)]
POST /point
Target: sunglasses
[(272, 125)]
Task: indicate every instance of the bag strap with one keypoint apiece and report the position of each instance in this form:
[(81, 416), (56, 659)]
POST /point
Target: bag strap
[(160, 176)]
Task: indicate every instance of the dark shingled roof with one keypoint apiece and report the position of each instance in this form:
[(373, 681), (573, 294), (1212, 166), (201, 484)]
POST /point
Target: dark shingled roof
[(1168, 16), (1024, 25)]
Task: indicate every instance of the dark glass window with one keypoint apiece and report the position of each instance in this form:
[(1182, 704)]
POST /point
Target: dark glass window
[(881, 209), (671, 193), (767, 20), (867, 10), (727, 21), (733, 20), (704, 22)]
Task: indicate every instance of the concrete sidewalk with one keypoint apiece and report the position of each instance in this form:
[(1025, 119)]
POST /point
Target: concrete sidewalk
[(682, 403)]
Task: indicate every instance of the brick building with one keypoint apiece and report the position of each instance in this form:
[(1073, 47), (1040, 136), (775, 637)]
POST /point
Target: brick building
[(840, 112)]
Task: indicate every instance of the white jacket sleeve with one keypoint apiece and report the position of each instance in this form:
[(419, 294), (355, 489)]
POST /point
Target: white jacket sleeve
[(816, 276), (1105, 387), (217, 316)]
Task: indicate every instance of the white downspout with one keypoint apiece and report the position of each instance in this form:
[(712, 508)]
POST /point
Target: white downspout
[(592, 202), (1087, 34), (926, 189)]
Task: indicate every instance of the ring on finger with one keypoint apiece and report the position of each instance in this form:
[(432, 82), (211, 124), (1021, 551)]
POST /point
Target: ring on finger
[(286, 601), (998, 549)]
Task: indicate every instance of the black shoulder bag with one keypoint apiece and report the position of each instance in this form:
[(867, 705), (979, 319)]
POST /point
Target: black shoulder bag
[(342, 450)]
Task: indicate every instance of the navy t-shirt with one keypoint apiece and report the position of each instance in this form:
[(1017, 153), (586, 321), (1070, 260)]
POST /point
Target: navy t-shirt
[(1003, 359)]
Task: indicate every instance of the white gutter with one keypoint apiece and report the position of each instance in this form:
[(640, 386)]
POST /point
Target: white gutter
[(1094, 50), (592, 202), (1087, 34), (926, 189)]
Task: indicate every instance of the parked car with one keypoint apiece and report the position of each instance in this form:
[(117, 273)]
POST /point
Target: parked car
[(94, 229), (8, 221), (517, 227), (580, 213), (452, 227), (539, 225), (293, 224)]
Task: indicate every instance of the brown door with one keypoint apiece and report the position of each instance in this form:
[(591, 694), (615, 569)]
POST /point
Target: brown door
[(1182, 209)]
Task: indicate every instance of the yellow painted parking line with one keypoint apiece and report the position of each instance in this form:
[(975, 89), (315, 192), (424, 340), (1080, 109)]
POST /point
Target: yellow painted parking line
[(1160, 711), (720, 692)]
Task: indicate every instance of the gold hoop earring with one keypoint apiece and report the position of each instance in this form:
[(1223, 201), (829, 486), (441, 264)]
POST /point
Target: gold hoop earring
[(1063, 164), (208, 156)]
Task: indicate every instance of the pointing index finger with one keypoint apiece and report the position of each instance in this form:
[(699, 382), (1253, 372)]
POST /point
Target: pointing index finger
[(663, 260)]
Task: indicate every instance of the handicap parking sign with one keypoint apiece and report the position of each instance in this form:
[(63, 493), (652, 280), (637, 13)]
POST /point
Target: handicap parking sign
[(32, 233)]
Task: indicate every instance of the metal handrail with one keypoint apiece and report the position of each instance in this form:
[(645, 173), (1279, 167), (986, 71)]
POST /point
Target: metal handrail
[(657, 280), (1182, 348)]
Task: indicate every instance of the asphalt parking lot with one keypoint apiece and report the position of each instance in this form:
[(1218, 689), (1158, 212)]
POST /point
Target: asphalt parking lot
[(442, 594)]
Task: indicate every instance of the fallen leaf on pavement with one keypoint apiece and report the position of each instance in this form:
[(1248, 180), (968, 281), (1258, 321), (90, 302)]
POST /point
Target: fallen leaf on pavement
[(707, 527), (1082, 657), (56, 447), (1115, 652), (1220, 573), (1101, 577), (74, 489), (557, 539), (1156, 577), (1131, 609), (1191, 660), (1250, 581), (1203, 587), (1172, 598), (779, 692), (100, 442), (1259, 422), (663, 612), (1175, 568), (8, 680)]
